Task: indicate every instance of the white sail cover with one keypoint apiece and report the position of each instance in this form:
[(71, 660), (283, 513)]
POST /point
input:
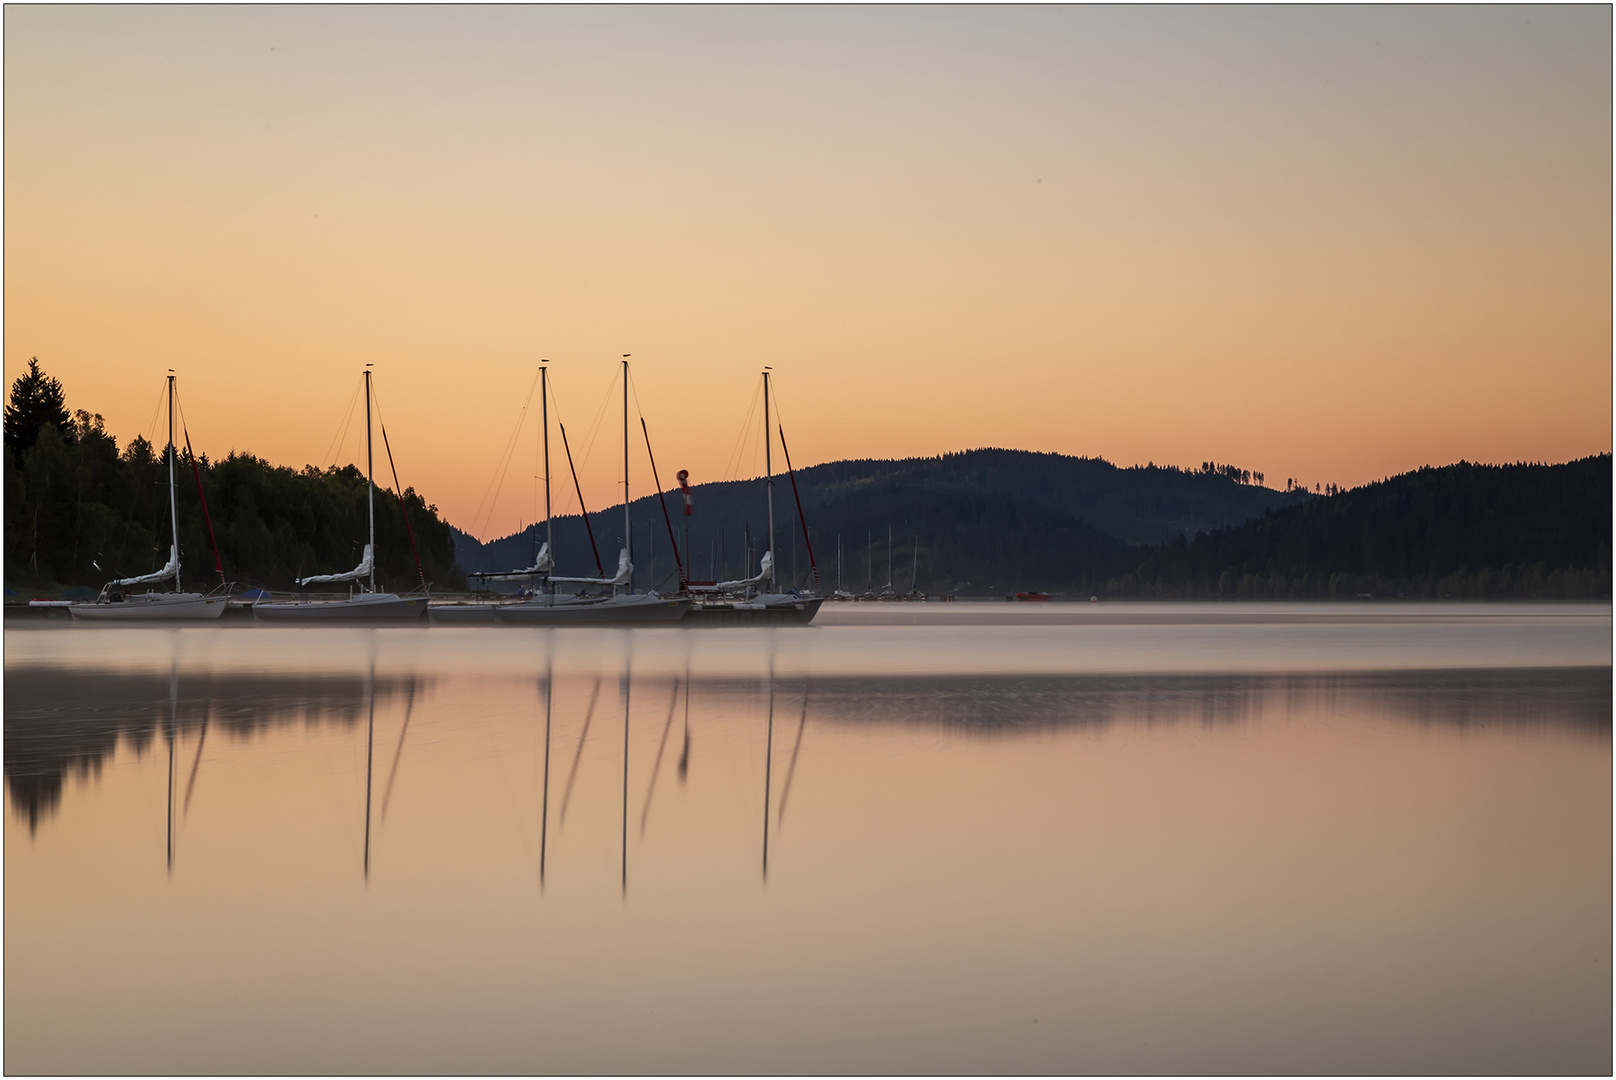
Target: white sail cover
[(624, 570), (166, 572), (362, 570), (542, 565), (765, 573)]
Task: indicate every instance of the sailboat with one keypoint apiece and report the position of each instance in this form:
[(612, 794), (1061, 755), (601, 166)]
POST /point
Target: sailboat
[(363, 605), (619, 609), (116, 604), (756, 599), (462, 613)]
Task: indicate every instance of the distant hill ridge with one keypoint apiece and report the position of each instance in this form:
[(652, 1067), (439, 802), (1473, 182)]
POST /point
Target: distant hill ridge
[(1460, 530), (1138, 504), (993, 521)]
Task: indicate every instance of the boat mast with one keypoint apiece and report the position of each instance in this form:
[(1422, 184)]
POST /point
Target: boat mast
[(768, 475), (370, 483), (173, 506), (544, 413), (628, 546)]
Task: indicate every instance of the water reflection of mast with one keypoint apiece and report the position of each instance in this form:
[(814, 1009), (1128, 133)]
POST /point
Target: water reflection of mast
[(398, 753), (544, 797), (173, 720), (768, 762), (785, 790), (684, 756), (196, 764), (589, 714), (656, 767), (370, 748), (628, 682)]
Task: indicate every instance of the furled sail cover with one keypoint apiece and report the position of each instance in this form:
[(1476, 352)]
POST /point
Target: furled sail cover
[(362, 570), (542, 565), (765, 573), (624, 569), (168, 571)]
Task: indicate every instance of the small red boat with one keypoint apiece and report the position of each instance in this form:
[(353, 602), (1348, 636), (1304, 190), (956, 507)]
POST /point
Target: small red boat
[(1032, 596)]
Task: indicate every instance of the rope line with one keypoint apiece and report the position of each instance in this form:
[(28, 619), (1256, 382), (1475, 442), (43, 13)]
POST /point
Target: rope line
[(340, 440), (497, 482), (151, 428), (735, 455), (398, 488)]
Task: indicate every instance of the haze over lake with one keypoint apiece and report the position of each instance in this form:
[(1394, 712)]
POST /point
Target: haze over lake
[(978, 838)]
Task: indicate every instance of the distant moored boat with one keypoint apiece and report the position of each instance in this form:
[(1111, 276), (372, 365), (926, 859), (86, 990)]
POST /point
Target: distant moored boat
[(116, 605), (365, 605)]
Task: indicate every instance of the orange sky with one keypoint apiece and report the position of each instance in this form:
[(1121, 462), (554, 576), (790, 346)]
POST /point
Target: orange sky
[(1330, 243)]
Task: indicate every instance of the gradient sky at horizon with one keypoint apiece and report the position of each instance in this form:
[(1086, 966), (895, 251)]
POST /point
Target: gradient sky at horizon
[(1333, 243)]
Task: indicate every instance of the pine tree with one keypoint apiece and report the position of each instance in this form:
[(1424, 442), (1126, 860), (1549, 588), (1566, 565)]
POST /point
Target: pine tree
[(36, 400)]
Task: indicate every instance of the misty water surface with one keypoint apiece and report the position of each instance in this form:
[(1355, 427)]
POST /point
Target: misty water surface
[(966, 838)]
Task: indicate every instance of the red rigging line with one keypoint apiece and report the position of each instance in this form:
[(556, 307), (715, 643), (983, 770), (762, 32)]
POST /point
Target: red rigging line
[(403, 509), (672, 540), (583, 510), (218, 560), (812, 564)]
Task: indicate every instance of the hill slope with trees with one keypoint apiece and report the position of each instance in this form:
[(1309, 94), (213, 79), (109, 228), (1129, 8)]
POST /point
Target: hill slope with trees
[(79, 511), (1017, 502), (1457, 531), (1462, 530)]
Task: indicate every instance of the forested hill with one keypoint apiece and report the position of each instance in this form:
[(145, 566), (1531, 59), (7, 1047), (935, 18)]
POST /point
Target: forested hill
[(1139, 504), (1458, 531), (855, 499), (80, 511), (1463, 530)]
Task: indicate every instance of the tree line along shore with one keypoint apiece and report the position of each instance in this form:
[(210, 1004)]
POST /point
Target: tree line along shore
[(81, 510)]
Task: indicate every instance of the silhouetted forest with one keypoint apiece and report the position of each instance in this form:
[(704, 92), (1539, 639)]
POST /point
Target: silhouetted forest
[(80, 511), (1458, 531), (1140, 504), (1031, 518)]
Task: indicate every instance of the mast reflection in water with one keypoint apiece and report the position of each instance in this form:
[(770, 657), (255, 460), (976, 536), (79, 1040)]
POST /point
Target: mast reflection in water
[(1354, 871)]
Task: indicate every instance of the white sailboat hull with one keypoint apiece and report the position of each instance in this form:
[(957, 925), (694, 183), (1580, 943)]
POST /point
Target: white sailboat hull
[(487, 614), (151, 607), (646, 608), (774, 609), (361, 607)]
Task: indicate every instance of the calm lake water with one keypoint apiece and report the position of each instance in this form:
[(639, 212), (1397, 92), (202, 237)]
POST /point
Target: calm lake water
[(934, 839)]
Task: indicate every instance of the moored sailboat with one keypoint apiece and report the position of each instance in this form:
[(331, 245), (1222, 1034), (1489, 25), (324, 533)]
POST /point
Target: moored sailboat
[(758, 599), (462, 613), (115, 604), (366, 604), (622, 608)]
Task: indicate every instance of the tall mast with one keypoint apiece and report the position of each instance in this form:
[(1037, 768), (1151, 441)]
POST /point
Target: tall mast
[(544, 412), (627, 536), (370, 482), (173, 506), (768, 472)]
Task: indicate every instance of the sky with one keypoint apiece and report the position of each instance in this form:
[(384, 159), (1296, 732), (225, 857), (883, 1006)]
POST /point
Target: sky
[(1329, 243)]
